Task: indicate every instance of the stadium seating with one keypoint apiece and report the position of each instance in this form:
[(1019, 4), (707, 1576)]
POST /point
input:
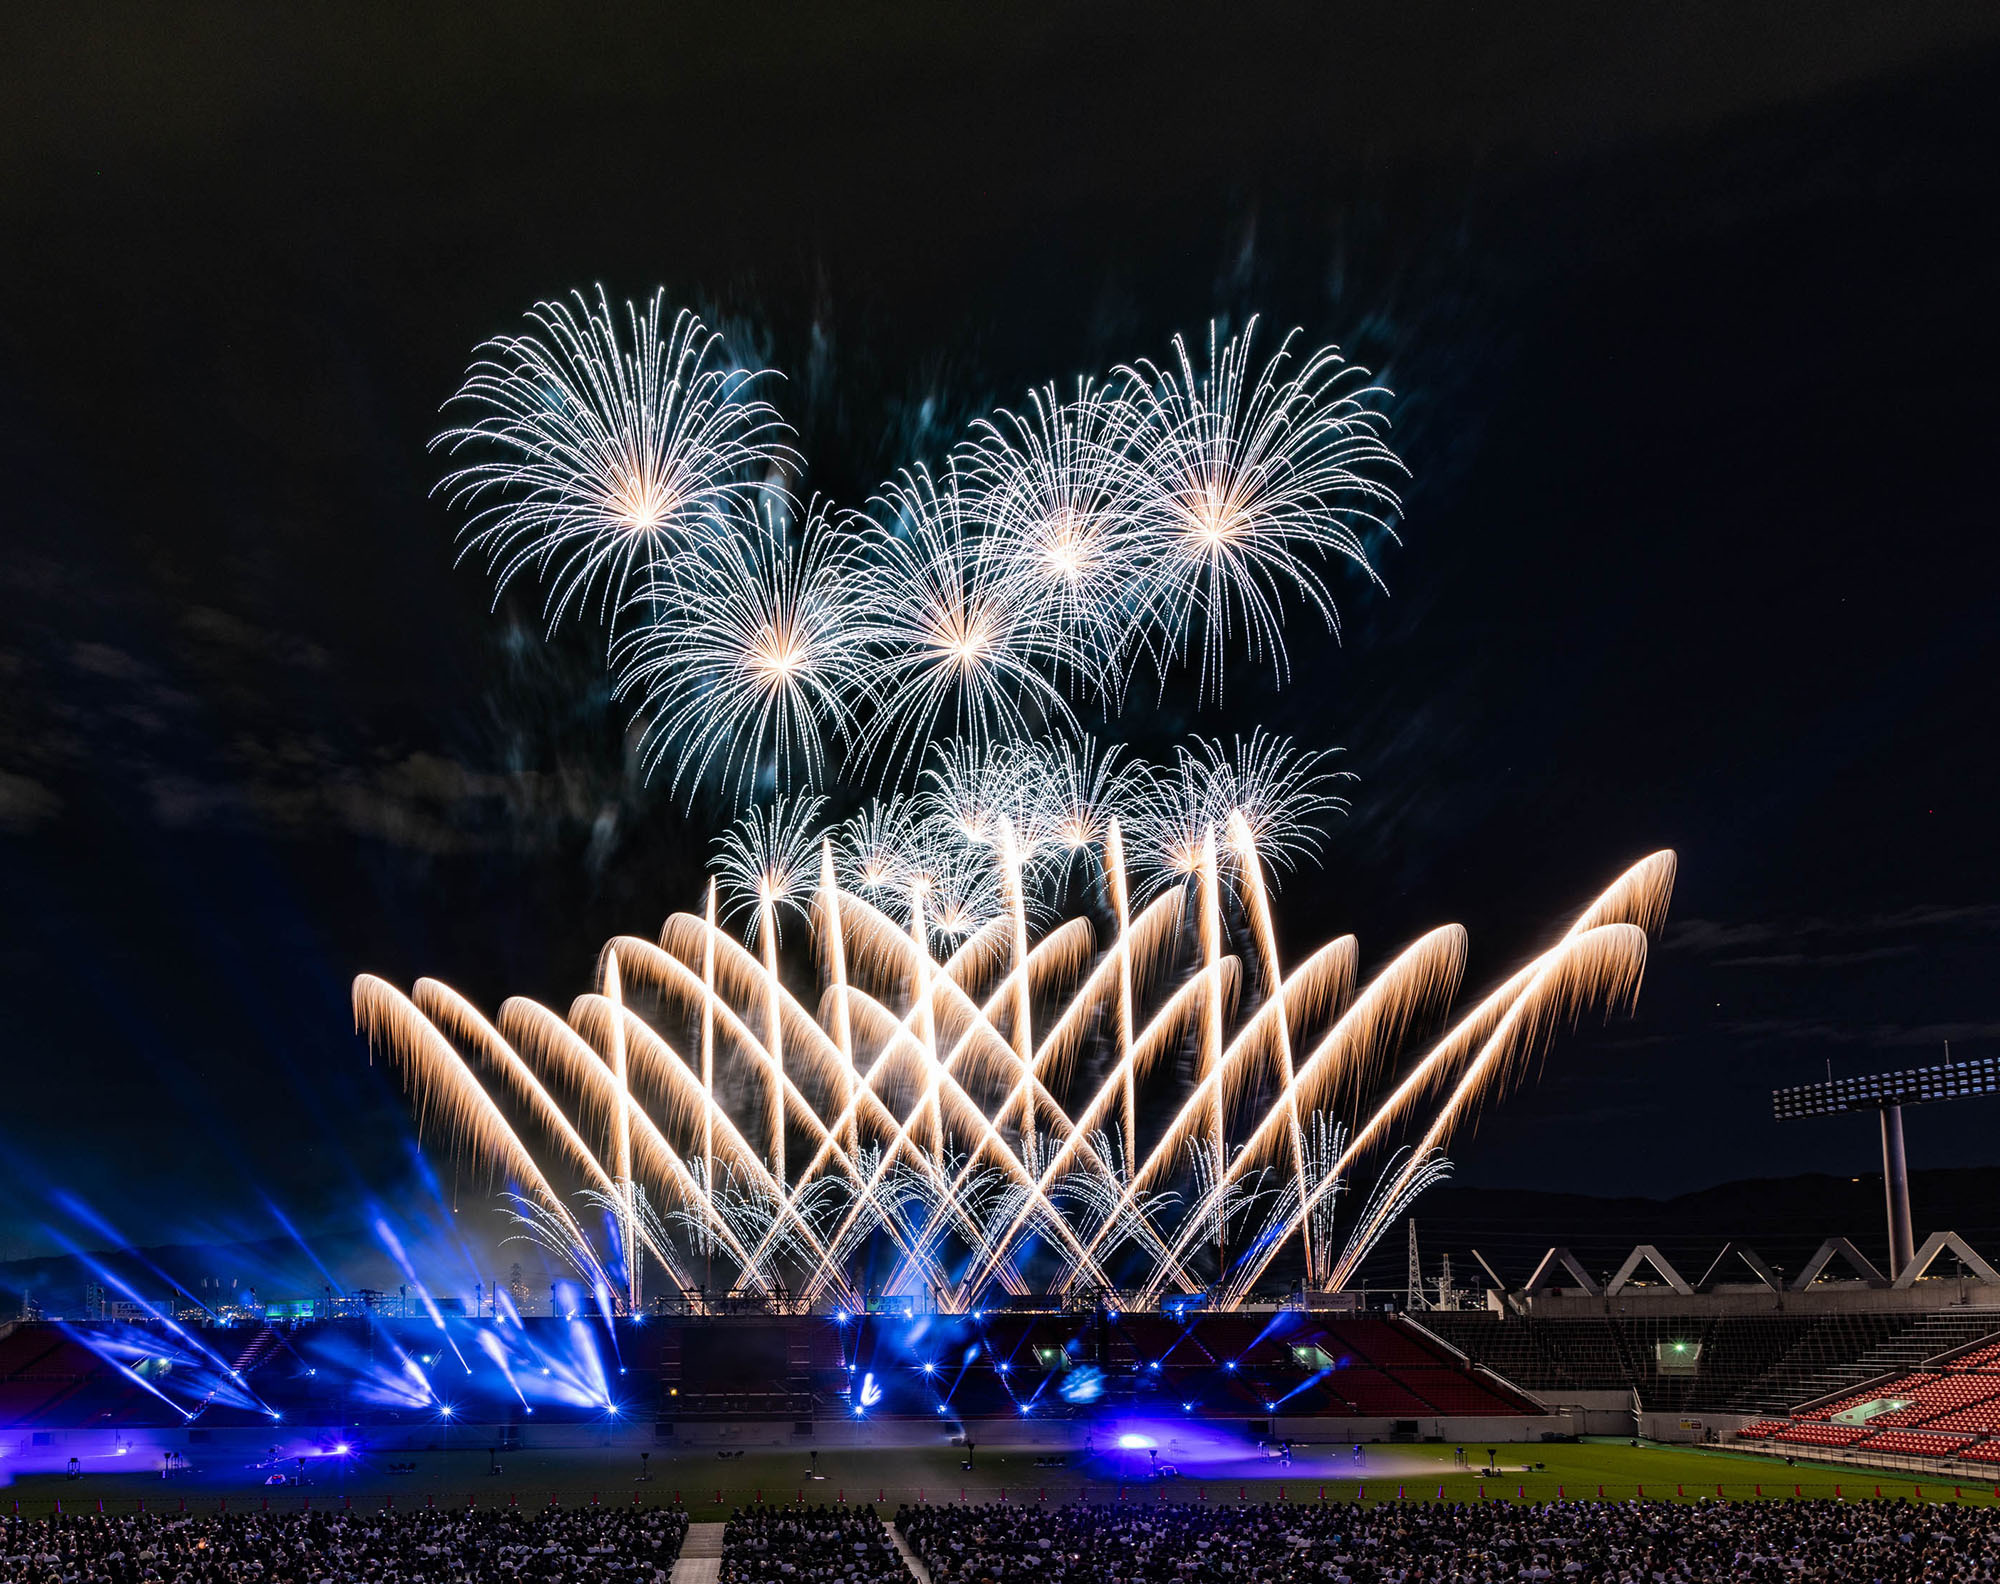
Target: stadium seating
[(1900, 1388), (1945, 1394), (1805, 1433), (1916, 1443), (1950, 1412), (1982, 1418), (1744, 1362)]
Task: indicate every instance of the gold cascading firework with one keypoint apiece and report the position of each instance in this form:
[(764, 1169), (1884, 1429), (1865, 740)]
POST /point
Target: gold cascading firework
[(978, 1112)]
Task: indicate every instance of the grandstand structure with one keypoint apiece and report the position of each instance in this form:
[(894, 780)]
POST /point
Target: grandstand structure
[(1947, 1410), (683, 1377), (1817, 1365), (1838, 1362)]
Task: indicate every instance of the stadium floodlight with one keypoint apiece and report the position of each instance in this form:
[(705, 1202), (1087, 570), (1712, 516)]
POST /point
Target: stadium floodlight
[(1888, 1093), (1912, 1086)]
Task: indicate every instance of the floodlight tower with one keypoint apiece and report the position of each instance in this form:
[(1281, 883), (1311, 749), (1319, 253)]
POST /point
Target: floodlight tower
[(1888, 1093)]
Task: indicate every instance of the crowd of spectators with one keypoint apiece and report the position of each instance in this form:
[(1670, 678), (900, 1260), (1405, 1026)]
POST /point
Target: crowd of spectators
[(1797, 1542), (810, 1545), (621, 1545)]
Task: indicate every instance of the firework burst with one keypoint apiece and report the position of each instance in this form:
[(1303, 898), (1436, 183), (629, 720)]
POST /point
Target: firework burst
[(604, 452), (750, 657), (982, 1098), (960, 653), (1250, 479), (1055, 491)]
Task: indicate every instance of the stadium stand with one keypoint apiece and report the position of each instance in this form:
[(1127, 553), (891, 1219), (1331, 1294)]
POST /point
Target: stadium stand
[(1930, 1336), (1764, 1364), (1951, 1409), (1802, 1433), (1739, 1355)]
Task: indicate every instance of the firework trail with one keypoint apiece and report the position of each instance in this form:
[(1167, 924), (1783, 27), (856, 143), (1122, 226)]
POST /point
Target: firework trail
[(937, 1119)]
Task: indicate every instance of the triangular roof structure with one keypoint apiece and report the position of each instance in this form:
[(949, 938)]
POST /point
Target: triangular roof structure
[(1839, 1246), (1561, 1259), (1492, 1275), (1936, 1244), (1750, 1257), (1646, 1254)]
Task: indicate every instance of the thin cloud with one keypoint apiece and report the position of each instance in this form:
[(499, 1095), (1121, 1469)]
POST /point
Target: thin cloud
[(1825, 941)]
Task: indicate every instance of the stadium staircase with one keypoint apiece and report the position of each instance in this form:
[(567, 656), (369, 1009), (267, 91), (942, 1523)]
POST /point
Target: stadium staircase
[(263, 1342)]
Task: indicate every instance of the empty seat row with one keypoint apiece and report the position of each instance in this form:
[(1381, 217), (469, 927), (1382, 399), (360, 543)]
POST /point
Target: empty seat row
[(1916, 1443)]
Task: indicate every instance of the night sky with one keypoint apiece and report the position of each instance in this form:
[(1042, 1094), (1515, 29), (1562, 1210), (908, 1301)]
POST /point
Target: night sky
[(1689, 312)]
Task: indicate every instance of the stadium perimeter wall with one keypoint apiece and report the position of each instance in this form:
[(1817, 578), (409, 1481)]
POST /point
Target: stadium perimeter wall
[(144, 1448)]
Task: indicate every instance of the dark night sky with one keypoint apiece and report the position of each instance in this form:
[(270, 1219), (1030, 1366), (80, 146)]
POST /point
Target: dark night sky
[(1690, 313)]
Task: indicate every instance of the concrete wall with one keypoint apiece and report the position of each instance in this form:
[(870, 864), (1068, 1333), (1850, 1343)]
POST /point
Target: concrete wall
[(142, 1450), (1834, 1297)]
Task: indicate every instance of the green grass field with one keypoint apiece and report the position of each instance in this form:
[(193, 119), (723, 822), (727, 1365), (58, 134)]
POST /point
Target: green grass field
[(709, 1486)]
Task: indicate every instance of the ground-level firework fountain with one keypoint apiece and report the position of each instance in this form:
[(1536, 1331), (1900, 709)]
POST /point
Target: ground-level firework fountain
[(1173, 1111)]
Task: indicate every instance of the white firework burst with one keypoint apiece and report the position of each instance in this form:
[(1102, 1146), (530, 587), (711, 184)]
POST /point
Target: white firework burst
[(1280, 794), (952, 884), (874, 848), (959, 651), (603, 453), (750, 660), (768, 862), (1080, 790), (1054, 487), (1251, 480), (970, 788)]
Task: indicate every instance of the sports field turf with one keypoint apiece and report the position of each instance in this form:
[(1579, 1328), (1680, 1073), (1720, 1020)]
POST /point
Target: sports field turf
[(708, 1485)]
